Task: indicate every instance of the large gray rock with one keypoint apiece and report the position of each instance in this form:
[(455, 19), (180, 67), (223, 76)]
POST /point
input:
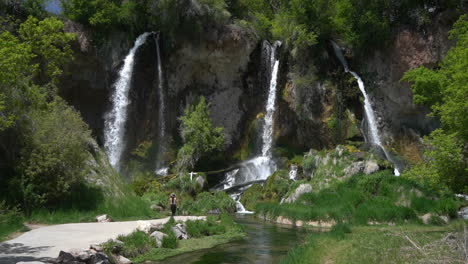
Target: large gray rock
[(463, 213), (371, 167), (103, 218), (158, 236), (122, 260), (180, 231), (355, 168), (200, 182), (302, 189)]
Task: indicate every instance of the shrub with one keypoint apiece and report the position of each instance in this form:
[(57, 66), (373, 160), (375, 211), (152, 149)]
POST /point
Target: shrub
[(309, 163), (202, 228), (207, 201), (170, 241), (136, 244)]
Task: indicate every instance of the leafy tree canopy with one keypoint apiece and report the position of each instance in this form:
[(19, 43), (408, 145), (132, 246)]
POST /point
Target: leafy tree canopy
[(199, 135), (445, 90)]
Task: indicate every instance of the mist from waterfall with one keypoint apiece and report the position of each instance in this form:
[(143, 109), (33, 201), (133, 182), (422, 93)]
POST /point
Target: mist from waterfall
[(374, 136), (161, 169), (116, 118)]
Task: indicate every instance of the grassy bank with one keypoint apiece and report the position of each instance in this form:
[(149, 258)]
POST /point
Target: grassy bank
[(384, 244), (141, 247), (361, 199)]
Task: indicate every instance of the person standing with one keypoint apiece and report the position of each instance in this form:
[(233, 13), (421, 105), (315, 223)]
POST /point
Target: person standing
[(173, 201)]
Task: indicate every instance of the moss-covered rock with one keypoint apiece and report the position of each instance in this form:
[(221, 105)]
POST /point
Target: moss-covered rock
[(252, 196)]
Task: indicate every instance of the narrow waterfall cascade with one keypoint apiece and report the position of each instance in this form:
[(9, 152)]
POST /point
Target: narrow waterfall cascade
[(116, 118), (374, 136), (293, 172), (161, 169), (261, 167), (240, 209)]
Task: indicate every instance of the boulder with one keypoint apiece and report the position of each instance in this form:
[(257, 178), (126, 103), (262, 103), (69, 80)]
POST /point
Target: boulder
[(82, 256), (371, 167), (103, 218), (354, 168), (200, 181), (144, 226), (65, 257), (118, 245), (302, 189), (122, 260), (426, 218), (99, 258), (158, 236), (180, 231), (463, 213), (96, 247), (30, 262)]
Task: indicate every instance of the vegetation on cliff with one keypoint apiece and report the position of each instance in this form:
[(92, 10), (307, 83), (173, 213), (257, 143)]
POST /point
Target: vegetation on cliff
[(445, 91)]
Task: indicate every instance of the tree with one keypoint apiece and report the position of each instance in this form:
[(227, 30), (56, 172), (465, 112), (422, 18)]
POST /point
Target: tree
[(199, 135), (54, 153), (445, 90)]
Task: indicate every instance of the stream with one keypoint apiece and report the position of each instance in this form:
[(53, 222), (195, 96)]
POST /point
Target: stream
[(265, 243)]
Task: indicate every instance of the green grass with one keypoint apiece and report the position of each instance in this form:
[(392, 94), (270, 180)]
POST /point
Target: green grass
[(129, 207), (215, 230), (11, 221), (380, 244), (379, 197), (188, 245)]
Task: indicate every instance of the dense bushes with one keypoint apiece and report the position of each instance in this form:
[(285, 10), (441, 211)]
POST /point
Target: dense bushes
[(199, 135)]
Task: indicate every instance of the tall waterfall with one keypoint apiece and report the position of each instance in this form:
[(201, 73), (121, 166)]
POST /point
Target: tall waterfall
[(270, 110), (262, 166), (374, 135), (160, 166), (115, 119)]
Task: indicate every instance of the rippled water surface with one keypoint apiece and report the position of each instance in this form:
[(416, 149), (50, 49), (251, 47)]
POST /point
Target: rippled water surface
[(265, 243)]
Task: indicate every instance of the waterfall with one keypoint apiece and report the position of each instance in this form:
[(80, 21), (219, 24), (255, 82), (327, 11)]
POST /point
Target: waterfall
[(240, 209), (115, 119), (160, 168), (374, 136), (262, 166), (293, 172), (270, 110)]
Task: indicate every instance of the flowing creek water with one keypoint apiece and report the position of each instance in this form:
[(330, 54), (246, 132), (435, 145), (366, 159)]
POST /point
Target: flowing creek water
[(265, 243)]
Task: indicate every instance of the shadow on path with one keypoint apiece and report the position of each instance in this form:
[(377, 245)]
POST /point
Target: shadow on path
[(11, 253)]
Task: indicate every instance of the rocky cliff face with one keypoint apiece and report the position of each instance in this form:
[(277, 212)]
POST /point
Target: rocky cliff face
[(410, 49), (227, 66)]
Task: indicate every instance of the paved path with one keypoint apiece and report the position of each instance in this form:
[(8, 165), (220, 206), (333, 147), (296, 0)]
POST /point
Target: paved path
[(46, 242)]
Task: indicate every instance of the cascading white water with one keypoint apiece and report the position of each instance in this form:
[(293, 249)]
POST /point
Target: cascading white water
[(293, 172), (240, 209), (160, 167), (115, 119), (369, 112), (270, 110), (260, 167)]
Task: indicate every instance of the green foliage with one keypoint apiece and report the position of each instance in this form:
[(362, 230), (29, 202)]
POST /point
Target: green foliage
[(11, 220), (170, 241), (136, 244), (309, 163), (361, 199), (445, 90), (54, 153), (199, 135), (49, 44), (207, 201), (202, 228), (145, 182), (340, 230)]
